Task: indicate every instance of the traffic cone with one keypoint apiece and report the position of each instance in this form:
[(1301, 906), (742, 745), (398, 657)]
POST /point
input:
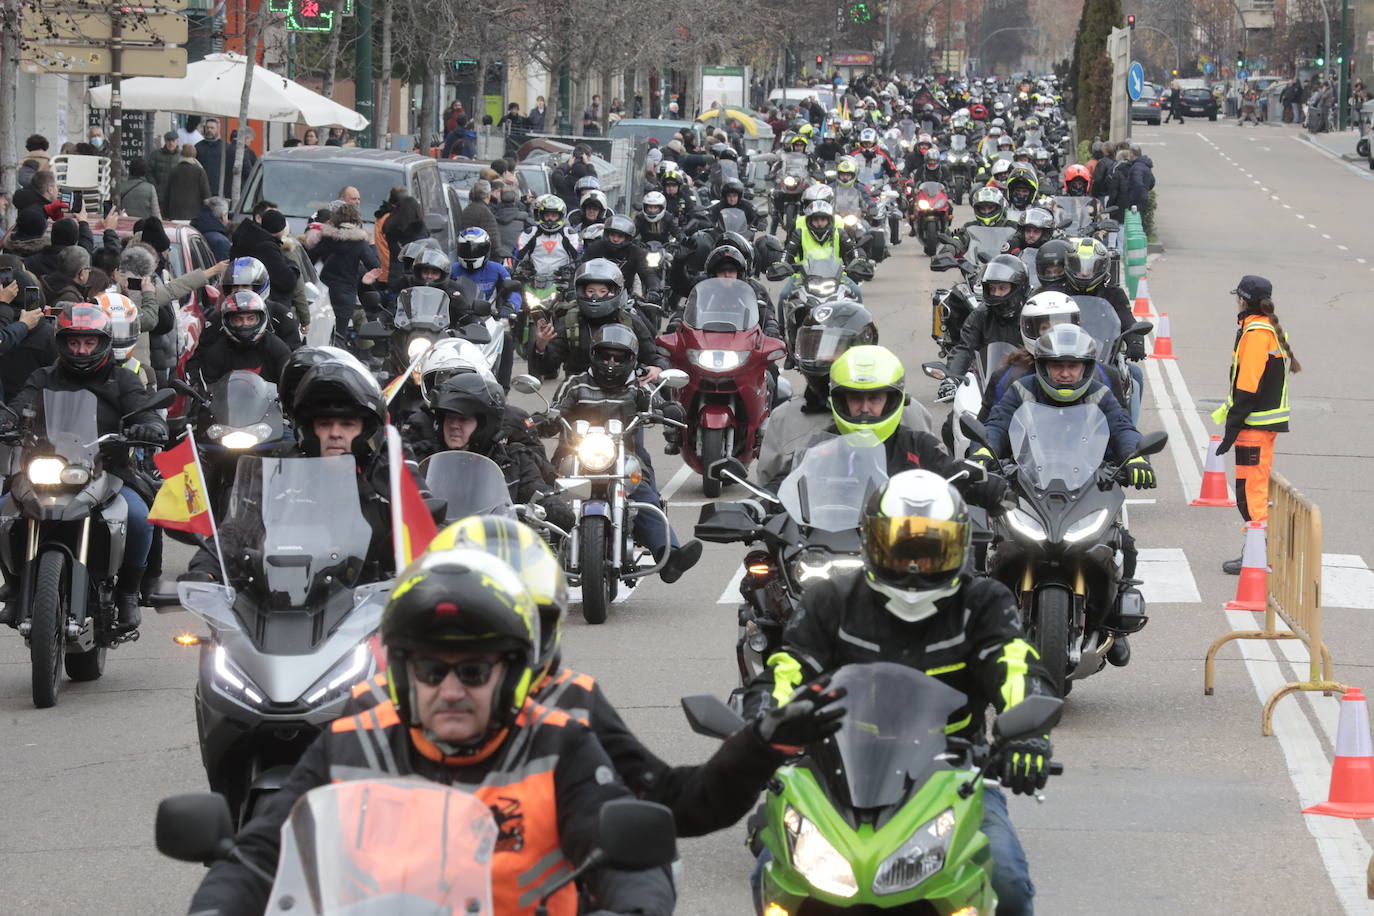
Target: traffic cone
[(1352, 773), (1214, 491), (1252, 591), (1164, 344), (1142, 300)]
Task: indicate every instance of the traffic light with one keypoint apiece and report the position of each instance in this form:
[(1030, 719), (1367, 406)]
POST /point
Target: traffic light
[(861, 12), (1240, 59), (1130, 22)]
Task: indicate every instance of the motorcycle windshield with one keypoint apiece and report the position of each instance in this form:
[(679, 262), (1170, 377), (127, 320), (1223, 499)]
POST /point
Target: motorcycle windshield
[(1079, 210), (823, 268), (732, 219), (422, 308), (985, 242), (1058, 445), (722, 305), (728, 169), (828, 485), (795, 164), (932, 189), (69, 425), (958, 143), (387, 846), (1098, 318), (295, 526), (821, 344), (470, 484), (892, 731), (994, 356), (242, 399)]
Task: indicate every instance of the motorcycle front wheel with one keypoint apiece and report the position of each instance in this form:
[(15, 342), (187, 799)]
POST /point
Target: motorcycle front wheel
[(1049, 632), (47, 643), (598, 577), (712, 450)]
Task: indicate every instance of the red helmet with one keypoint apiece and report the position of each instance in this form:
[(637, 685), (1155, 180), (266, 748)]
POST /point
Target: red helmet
[(1078, 171), (978, 112), (82, 319)]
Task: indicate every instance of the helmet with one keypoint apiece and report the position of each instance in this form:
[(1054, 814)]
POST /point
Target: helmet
[(1005, 268), (727, 256), (1043, 311), (1037, 218), (732, 185), (474, 247), (85, 320), (977, 112), (124, 324), (798, 139), (1065, 343), (868, 370), (932, 159), (924, 142), (550, 211), (622, 225), (820, 219), (846, 170), (301, 362), (250, 273), (524, 551), (447, 358), (1005, 142), (818, 191), (431, 259), (413, 249), (806, 130), (989, 206), (455, 601), (615, 355), (584, 184), (998, 107), (915, 533), (1022, 185), (1088, 265), (829, 330), (1078, 172), (927, 108), (868, 138), (726, 152), (599, 270), (472, 395), (671, 173), (339, 388), (1022, 156), (741, 244), (995, 130), (1001, 170), (244, 303), (1051, 262), (654, 206), (1032, 123), (594, 199)]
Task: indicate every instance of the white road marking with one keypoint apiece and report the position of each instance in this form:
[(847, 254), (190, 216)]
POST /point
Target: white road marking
[(1141, 502), (1168, 579), (1361, 261), (1347, 581), (1266, 191), (731, 593), (676, 482), (1343, 247), (1299, 216), (1286, 207)]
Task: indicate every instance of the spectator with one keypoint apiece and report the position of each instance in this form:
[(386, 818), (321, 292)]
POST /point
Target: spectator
[(212, 155), (1140, 179), (511, 120), (455, 110), (673, 112), (512, 218), (352, 196), (190, 133), (338, 137), (150, 237), (461, 141), (136, 275), (591, 125), (477, 214), (379, 239), (406, 224), (1358, 96), (162, 161), (38, 349), (596, 108), (311, 137), (213, 222), (65, 233), (29, 236), (136, 195), (258, 238), (36, 148), (291, 143), (96, 138), (1295, 101), (535, 120), (582, 163), (246, 159), (7, 213), (347, 259), (68, 282), (41, 191), (188, 185)]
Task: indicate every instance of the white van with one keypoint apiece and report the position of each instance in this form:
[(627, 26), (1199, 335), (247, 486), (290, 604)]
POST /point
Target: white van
[(796, 94)]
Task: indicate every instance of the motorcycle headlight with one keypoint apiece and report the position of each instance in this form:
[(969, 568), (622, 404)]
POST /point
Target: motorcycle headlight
[(918, 858), (1087, 526), (789, 182), (822, 287), (349, 670), (815, 563), (236, 438), (819, 862), (46, 472), (417, 347), (232, 681), (532, 301), (596, 452), (654, 258), (851, 220), (923, 205), (74, 476), (717, 360), (1026, 524)]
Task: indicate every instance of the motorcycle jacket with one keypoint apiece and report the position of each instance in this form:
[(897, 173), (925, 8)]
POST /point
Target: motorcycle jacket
[(851, 199), (877, 160), (1124, 437), (795, 424), (630, 260), (543, 253), (571, 348), (981, 328), (665, 231), (802, 246), (973, 643), (486, 279), (545, 780), (266, 357)]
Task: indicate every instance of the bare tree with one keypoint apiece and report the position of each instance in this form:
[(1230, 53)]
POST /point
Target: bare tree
[(383, 126), (255, 21), (9, 82)]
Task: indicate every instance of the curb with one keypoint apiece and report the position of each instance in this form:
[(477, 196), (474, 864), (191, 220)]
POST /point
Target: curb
[(1348, 157), (1155, 248)]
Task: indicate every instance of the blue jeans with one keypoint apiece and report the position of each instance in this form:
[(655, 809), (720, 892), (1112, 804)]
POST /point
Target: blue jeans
[(649, 529), (139, 537), (1138, 375)]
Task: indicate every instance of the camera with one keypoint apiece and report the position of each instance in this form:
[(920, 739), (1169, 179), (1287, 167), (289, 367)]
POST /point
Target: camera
[(135, 283)]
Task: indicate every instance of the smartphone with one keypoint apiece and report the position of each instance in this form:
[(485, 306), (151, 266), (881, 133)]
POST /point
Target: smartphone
[(33, 298), (136, 283), (73, 200)]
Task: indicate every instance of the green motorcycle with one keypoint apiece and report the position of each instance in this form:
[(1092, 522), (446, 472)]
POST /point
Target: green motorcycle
[(884, 815)]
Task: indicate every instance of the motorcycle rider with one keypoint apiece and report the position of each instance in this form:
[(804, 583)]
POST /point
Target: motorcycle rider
[(732, 196), (682, 203), (1087, 271), (1022, 186), (1042, 311), (461, 633), (1051, 265), (1078, 181), (917, 603), (548, 247), (850, 195), (989, 209), (565, 342), (1004, 288), (592, 212), (875, 157), (476, 263), (653, 222), (245, 343), (610, 376), (1035, 228), (124, 334), (731, 260), (619, 246), (818, 237), (85, 362), (933, 168)]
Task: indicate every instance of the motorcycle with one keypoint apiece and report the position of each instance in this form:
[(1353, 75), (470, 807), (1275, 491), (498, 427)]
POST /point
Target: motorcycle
[(1099, 319), (959, 158), (725, 354), (1057, 548), (62, 534), (885, 814), (808, 531), (785, 204), (598, 469), (949, 309), (422, 320), (289, 632), (823, 281), (468, 484), (932, 214), (241, 416)]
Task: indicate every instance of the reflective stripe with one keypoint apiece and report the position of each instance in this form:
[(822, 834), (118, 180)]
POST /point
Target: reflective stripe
[(340, 772), (543, 865), (954, 728), (856, 641), (945, 669), (787, 676), (948, 643), (1273, 415), (360, 730), (531, 897), (1014, 657), (388, 759)]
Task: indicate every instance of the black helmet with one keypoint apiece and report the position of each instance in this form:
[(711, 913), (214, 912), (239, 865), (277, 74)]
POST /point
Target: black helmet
[(615, 355), (622, 225), (1088, 266), (1051, 263), (915, 533), (412, 249), (431, 259), (600, 270), (244, 302), (727, 255), (301, 362), (1006, 268), (82, 319), (828, 331), (472, 395), (732, 185), (339, 388), (461, 600)]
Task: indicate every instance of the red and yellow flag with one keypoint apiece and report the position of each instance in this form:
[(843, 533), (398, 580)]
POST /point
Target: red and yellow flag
[(181, 503), (412, 527)]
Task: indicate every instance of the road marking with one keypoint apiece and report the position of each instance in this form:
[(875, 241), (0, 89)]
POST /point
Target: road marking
[(1286, 207), (731, 593), (1361, 261), (1342, 247), (676, 482), (1168, 578), (1141, 502), (1266, 191), (1347, 581), (1299, 216)]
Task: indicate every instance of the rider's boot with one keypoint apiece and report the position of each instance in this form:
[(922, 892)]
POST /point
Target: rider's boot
[(680, 559), (128, 615)]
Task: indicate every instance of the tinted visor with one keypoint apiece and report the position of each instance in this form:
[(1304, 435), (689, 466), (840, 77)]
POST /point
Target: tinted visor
[(823, 345), (913, 551)]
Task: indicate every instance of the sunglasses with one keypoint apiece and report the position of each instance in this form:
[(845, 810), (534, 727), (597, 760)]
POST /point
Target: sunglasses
[(433, 671)]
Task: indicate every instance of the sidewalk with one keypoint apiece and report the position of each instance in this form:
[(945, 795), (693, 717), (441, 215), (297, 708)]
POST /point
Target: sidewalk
[(1338, 143)]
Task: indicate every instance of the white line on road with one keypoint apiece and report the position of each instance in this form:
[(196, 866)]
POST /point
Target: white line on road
[(1347, 581), (1361, 261), (1324, 235), (1168, 579), (1343, 247), (1287, 207), (1299, 216), (1141, 502), (675, 482), (731, 593)]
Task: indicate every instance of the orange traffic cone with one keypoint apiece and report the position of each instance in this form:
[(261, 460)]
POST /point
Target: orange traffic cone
[(1164, 344), (1352, 773), (1214, 491), (1142, 300), (1253, 589)]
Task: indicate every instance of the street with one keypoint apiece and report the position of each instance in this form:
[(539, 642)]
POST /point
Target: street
[(1171, 801)]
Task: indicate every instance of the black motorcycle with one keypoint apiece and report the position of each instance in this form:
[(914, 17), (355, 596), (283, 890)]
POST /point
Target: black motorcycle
[(241, 416)]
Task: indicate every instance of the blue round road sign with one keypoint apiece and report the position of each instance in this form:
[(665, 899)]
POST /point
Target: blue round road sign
[(1207, 67), (1135, 80)]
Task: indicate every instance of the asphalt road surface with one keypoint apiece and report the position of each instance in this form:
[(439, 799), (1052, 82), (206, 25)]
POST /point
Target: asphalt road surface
[(1172, 802)]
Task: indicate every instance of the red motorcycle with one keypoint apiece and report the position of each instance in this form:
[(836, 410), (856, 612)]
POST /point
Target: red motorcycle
[(932, 214), (725, 354)]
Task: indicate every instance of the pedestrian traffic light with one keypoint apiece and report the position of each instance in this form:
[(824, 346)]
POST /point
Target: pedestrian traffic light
[(1321, 61), (1130, 22), (860, 12), (819, 60)]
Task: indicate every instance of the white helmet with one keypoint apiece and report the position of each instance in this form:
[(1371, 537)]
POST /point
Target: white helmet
[(1043, 311), (447, 358)]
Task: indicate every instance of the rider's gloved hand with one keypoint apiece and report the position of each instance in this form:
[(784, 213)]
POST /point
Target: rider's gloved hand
[(145, 432), (1135, 348), (1139, 473), (991, 494), (804, 719), (984, 457), (1026, 764), (946, 389)]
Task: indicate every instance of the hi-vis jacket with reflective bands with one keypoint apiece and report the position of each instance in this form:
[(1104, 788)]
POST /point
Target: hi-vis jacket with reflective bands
[(973, 643), (1259, 379), (545, 783)]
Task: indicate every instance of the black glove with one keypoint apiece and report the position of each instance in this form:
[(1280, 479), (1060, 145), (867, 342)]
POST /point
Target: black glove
[(1228, 439), (990, 494), (145, 432), (1026, 764), (1135, 348), (946, 389), (804, 719), (1139, 473)]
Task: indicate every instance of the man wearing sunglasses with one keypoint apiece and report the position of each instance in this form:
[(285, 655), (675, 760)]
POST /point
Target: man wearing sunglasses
[(461, 633)]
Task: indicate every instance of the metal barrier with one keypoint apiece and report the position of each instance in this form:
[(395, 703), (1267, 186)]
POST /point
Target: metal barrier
[(1294, 542)]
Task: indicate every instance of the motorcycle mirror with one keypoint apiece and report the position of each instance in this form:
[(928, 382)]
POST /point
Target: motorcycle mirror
[(1034, 715), (973, 429), (159, 399), (1151, 444), (708, 716), (943, 262), (575, 487), (374, 330), (973, 471), (1141, 327), (722, 467), (935, 370), (779, 270), (437, 509), (1065, 219), (481, 308), (194, 827), (774, 355), (636, 835), (860, 269), (506, 287), (525, 384), (180, 387), (673, 379)]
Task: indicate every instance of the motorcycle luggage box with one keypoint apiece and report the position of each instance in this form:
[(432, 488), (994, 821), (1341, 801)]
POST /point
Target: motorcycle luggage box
[(725, 523)]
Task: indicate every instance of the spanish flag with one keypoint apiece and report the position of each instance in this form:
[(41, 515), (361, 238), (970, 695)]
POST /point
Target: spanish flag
[(412, 527), (182, 502)]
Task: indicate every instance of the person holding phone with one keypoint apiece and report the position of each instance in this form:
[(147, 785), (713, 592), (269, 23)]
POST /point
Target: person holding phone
[(13, 333)]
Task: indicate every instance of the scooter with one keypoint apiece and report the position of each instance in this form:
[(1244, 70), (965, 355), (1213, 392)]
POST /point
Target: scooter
[(728, 396)]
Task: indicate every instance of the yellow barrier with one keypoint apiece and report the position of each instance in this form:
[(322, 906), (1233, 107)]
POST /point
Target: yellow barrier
[(1294, 541)]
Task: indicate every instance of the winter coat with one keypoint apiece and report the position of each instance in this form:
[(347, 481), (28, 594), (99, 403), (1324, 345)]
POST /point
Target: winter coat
[(1139, 179), (345, 254), (511, 220), (477, 215), (160, 164), (187, 189), (216, 235), (250, 240), (138, 198)]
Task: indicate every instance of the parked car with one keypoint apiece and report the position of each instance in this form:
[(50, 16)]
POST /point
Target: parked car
[(1146, 108), (1199, 102)]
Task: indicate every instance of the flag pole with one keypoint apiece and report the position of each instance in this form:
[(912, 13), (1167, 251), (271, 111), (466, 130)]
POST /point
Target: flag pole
[(395, 460), (209, 507)]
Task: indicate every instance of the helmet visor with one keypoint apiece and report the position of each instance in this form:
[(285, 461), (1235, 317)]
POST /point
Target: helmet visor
[(1032, 326), (915, 551), (818, 346)]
